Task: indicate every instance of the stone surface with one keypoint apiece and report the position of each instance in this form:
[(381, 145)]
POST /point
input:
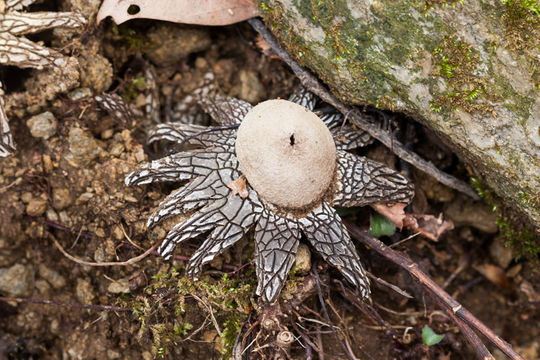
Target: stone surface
[(52, 276), (465, 71), (16, 280), (302, 261), (42, 125), (36, 207)]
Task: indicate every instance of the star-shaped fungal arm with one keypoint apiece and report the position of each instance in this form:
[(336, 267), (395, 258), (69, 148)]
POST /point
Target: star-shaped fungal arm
[(327, 234), (346, 136), (363, 182), (231, 219), (224, 110), (6, 141), (21, 52), (276, 244)]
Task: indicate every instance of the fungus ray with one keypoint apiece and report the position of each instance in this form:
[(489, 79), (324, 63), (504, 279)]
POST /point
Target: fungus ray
[(180, 133), (6, 140), (363, 182), (196, 194), (303, 97), (276, 244), (346, 136), (183, 166), (239, 215), (230, 213), (327, 234)]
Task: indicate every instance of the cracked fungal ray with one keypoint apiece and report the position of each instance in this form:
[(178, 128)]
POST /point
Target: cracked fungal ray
[(6, 140), (224, 219), (346, 136)]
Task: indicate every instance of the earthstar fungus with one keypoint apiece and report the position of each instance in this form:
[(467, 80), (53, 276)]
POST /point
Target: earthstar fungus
[(296, 168)]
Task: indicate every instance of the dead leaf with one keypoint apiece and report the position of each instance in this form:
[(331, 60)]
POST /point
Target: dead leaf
[(393, 212), (199, 12), (528, 289), (266, 49), (428, 226), (238, 186), (493, 273)]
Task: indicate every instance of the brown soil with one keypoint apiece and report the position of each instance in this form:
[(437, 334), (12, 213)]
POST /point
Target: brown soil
[(71, 187)]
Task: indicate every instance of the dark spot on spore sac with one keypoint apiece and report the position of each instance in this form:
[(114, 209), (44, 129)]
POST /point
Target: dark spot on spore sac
[(292, 139), (133, 9)]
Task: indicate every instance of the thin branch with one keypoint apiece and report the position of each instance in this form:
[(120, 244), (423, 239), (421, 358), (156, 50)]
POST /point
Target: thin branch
[(449, 304), (311, 83), (388, 285), (89, 263), (70, 305), (315, 276), (478, 346)]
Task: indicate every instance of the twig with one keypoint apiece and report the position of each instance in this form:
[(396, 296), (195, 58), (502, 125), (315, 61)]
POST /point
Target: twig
[(311, 83), (59, 303), (478, 346), (211, 312), (388, 285), (128, 238), (463, 263), (89, 263), (449, 304), (325, 312), (244, 338)]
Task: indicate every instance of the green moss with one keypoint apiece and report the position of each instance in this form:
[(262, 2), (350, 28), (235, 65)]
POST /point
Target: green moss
[(168, 318), (522, 23), (515, 233), (456, 62), (432, 3)]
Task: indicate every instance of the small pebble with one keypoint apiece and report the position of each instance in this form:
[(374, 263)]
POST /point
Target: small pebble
[(84, 291), (120, 286), (302, 262), (80, 93), (16, 280), (42, 125), (52, 277), (36, 207), (61, 198)]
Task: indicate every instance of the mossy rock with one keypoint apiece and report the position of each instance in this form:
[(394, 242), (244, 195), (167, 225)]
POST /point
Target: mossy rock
[(468, 70)]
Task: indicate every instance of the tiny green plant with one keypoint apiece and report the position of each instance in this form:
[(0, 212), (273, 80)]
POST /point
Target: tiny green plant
[(381, 226), (429, 336)]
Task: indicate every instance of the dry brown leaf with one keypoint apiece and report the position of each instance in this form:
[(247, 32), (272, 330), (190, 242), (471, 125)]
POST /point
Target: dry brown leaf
[(238, 186), (393, 212), (266, 48), (528, 289), (428, 226), (199, 12), (493, 273)]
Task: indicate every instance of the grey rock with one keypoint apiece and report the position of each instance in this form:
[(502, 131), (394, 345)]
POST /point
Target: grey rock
[(16, 280), (52, 277), (464, 71), (85, 291), (42, 125), (302, 262)]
